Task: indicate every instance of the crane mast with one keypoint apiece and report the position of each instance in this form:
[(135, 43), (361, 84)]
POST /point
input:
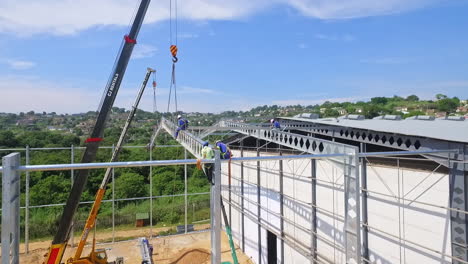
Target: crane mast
[(59, 243)]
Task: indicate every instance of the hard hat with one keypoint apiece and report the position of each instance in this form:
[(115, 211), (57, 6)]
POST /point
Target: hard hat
[(218, 141), (179, 116), (272, 120), (205, 144)]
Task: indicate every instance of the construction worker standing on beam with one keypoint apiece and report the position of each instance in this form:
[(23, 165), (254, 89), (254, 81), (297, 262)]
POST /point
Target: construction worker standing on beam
[(225, 151), (182, 125), (208, 153)]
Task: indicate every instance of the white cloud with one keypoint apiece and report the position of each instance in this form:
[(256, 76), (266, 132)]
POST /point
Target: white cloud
[(65, 17), (192, 90), (286, 102), (347, 9), (20, 64), (187, 35), (144, 51), (344, 37), (22, 93), (386, 61), (25, 93), (302, 45)]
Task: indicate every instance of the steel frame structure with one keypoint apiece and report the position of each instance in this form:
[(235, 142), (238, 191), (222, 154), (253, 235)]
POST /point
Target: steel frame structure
[(355, 191), (452, 155)]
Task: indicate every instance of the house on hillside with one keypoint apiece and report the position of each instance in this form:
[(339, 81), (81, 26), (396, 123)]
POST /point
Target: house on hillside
[(462, 109), (340, 110), (402, 109), (28, 121)]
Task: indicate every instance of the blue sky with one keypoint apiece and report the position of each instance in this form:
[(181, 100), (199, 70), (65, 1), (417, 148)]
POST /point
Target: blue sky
[(234, 55)]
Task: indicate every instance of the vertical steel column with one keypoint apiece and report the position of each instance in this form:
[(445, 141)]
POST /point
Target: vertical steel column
[(10, 208), (352, 230), (113, 200), (281, 193), (242, 195), (72, 180), (365, 229), (259, 206), (458, 200), (185, 190), (230, 198), (216, 212), (151, 193), (26, 212), (313, 167)]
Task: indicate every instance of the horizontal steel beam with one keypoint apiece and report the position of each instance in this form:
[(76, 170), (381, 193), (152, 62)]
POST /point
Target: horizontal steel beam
[(101, 147), (100, 165)]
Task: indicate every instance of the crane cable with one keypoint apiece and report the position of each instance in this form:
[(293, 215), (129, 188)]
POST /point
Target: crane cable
[(173, 49), (155, 109)]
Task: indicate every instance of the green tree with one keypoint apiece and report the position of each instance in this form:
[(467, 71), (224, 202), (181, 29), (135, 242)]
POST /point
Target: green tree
[(412, 98), (7, 139), (379, 100), (447, 105), (331, 113), (440, 96), (53, 189), (130, 185)]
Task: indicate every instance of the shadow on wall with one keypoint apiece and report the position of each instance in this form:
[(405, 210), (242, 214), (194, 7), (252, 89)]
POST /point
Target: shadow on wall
[(302, 210)]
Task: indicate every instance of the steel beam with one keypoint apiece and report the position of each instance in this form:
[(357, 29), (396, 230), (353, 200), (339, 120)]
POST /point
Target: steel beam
[(352, 230), (185, 191), (10, 208), (26, 213), (365, 228), (259, 241), (216, 212), (281, 195), (242, 195), (458, 200), (313, 167)]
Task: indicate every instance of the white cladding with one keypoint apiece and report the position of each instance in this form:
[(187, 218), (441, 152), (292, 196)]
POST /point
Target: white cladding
[(425, 225)]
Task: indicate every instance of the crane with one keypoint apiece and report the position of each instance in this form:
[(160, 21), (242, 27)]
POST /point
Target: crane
[(59, 243), (91, 221)]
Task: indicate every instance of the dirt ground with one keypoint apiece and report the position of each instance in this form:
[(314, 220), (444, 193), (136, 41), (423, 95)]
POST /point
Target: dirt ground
[(177, 249)]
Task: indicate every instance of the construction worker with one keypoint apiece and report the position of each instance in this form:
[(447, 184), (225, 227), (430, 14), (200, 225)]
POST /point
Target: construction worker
[(182, 124), (225, 151), (208, 153), (275, 124)]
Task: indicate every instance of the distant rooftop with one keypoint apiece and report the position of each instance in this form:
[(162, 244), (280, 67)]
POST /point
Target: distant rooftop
[(453, 129)]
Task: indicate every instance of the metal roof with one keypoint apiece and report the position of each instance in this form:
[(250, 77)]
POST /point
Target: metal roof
[(441, 129)]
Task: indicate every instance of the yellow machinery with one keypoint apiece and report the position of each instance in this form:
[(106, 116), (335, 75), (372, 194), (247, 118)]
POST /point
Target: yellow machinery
[(91, 221)]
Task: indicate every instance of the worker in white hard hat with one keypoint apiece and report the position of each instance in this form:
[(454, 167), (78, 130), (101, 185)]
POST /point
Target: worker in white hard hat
[(275, 124), (182, 125)]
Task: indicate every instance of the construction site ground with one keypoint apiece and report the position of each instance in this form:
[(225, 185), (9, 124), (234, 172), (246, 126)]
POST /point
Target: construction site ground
[(191, 248)]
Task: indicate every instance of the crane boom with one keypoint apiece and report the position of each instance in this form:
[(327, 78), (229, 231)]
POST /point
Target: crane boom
[(91, 221), (60, 240)]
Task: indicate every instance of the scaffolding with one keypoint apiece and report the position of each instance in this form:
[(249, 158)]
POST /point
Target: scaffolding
[(351, 171)]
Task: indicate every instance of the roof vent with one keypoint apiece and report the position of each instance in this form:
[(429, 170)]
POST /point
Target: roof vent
[(453, 118), (354, 117), (309, 115), (421, 117), (388, 117)]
